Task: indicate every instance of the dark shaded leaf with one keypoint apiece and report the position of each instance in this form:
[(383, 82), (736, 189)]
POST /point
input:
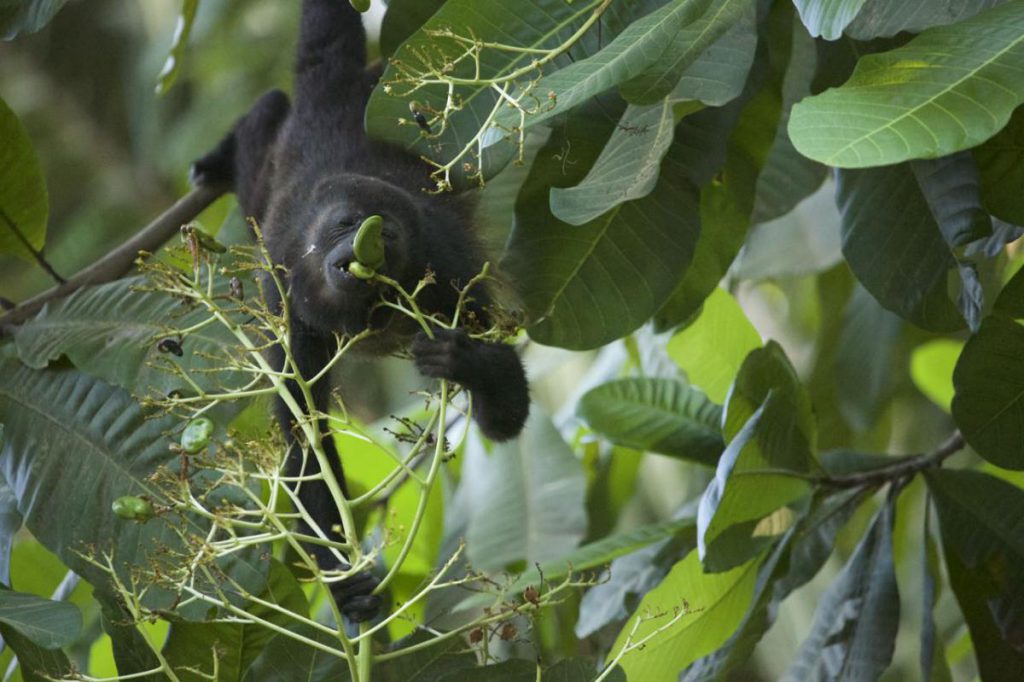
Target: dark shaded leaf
[(1001, 165), (884, 18), (827, 18), (982, 522), (854, 631), (24, 204), (36, 664), (46, 623), (403, 19), (26, 16)]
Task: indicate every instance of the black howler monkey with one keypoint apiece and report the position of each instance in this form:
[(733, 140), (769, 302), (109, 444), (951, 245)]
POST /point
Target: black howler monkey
[(309, 176)]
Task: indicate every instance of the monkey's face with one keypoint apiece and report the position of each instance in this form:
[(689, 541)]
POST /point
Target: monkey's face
[(324, 294)]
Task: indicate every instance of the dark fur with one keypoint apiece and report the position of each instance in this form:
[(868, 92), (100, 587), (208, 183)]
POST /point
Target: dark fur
[(309, 175)]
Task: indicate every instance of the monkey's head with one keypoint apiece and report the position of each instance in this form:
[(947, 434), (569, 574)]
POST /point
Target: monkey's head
[(324, 294)]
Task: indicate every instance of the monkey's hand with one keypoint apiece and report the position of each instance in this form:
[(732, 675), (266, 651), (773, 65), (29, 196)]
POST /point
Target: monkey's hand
[(355, 599), (492, 372)]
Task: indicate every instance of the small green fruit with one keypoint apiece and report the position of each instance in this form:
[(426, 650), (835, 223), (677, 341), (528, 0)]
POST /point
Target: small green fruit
[(368, 245), (196, 435), (133, 508), (360, 5), (360, 270)]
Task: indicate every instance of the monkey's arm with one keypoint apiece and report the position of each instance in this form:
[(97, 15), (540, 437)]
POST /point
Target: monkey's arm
[(491, 372)]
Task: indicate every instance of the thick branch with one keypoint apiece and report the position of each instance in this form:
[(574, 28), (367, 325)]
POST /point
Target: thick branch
[(905, 468), (120, 260)]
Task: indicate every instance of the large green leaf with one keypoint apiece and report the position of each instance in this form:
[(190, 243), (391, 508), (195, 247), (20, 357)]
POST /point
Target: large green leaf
[(10, 523), (949, 89), (982, 522), (403, 19), (707, 61), (855, 625), (532, 25), (658, 415), (527, 498), (17, 16), (989, 402), (588, 285), (112, 332), (895, 247), (72, 445), (46, 623), (827, 18), (24, 206), (716, 601), (643, 44), (885, 18), (629, 163)]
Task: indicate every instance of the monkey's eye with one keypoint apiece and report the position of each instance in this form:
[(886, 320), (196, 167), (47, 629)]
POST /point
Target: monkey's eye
[(349, 222)]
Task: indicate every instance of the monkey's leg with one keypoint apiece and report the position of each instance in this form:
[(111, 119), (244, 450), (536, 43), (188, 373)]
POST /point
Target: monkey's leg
[(241, 160), (311, 351), (492, 372)]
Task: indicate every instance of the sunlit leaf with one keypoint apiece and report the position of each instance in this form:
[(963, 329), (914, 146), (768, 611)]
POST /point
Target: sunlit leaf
[(942, 92), (827, 18), (715, 603), (931, 368), (712, 348)]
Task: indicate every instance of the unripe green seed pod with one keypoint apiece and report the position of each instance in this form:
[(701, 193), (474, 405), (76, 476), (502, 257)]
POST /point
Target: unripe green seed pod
[(360, 270), (368, 245), (360, 5), (196, 435), (133, 508)]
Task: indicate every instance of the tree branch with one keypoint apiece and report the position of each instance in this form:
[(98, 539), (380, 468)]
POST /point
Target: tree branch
[(120, 260), (903, 469)]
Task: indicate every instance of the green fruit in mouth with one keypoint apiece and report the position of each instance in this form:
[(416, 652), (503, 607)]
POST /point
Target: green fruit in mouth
[(360, 5), (368, 245), (360, 270)]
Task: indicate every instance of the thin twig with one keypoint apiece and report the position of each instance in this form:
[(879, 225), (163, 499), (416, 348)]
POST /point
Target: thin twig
[(36, 253), (120, 260), (902, 469)]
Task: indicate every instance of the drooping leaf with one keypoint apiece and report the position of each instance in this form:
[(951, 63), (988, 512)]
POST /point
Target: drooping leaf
[(46, 623), (983, 543), (641, 45), (797, 557), (533, 25), (711, 350), (716, 603), (588, 285), (989, 402), (657, 415), (528, 498), (933, 654), (895, 247), (827, 18), (10, 522), (26, 16), (24, 205), (855, 625), (182, 29), (882, 18), (941, 93), (707, 60)]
